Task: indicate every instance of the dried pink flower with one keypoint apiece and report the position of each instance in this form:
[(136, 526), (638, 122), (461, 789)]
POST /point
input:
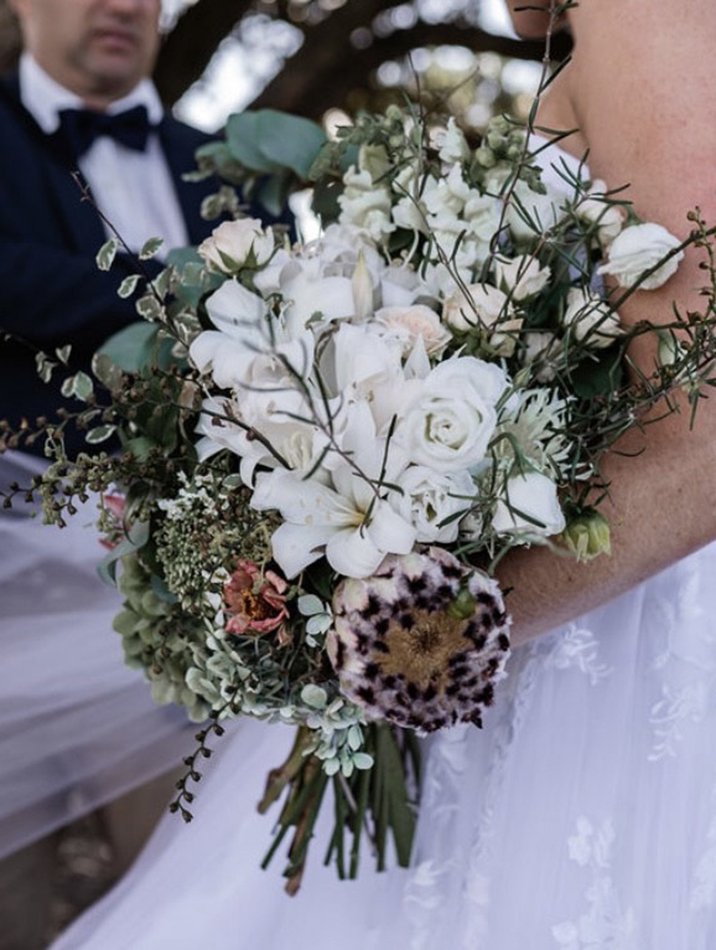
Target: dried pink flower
[(255, 600)]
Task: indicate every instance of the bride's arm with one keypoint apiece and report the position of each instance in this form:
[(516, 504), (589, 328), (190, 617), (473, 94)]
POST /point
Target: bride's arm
[(643, 91)]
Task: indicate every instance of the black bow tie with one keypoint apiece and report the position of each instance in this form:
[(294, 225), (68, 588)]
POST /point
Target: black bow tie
[(80, 127)]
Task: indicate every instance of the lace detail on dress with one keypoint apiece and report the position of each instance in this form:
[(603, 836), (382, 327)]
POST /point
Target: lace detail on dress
[(430, 886), (578, 648), (604, 926), (671, 715)]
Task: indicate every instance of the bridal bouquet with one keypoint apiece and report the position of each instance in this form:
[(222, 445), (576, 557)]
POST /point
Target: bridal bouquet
[(327, 447)]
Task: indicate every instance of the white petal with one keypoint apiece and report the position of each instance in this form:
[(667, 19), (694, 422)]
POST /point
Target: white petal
[(296, 546), (353, 554), (235, 310), (390, 532)]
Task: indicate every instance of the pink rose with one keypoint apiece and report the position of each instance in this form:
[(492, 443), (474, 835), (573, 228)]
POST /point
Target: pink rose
[(255, 601)]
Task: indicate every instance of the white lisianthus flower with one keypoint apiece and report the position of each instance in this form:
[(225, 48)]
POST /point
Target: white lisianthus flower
[(639, 248), (531, 508), (608, 217), (407, 324), (432, 502), (234, 244), (529, 213), (522, 276), (487, 309), (449, 426), (590, 319), (365, 205)]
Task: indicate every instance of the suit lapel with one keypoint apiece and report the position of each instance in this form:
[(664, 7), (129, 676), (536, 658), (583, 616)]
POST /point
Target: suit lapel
[(59, 191)]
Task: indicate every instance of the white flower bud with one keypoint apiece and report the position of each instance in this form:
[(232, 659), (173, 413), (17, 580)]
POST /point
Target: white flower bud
[(488, 309), (522, 276), (234, 244), (595, 209), (531, 508), (639, 248), (590, 319)]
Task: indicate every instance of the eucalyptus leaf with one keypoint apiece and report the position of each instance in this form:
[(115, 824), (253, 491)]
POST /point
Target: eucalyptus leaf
[(290, 141), (132, 349)]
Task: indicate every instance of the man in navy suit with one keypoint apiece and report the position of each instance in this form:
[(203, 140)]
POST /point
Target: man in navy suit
[(82, 100)]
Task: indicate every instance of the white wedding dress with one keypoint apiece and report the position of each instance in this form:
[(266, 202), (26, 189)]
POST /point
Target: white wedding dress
[(77, 728), (582, 817)]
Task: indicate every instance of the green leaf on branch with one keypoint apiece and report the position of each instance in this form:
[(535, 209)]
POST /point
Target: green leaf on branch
[(149, 307), (128, 286), (100, 434), (107, 253), (44, 366), (150, 248), (79, 386), (63, 353)]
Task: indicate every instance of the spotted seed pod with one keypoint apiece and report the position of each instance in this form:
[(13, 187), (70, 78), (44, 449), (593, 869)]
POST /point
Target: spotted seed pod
[(422, 642)]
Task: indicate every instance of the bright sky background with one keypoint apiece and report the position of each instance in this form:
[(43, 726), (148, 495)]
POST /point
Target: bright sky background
[(235, 75)]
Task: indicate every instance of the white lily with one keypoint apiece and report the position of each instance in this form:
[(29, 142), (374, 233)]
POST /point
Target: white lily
[(349, 520)]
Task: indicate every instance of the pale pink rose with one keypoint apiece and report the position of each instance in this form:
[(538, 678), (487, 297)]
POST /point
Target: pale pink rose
[(409, 323), (255, 601)]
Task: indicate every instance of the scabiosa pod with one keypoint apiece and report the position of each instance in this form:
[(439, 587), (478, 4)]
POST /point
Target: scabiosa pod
[(422, 642)]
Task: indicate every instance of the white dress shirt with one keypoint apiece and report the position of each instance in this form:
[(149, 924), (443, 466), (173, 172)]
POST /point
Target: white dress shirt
[(134, 190)]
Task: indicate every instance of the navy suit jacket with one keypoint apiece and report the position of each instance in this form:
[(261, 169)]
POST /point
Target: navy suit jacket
[(51, 292)]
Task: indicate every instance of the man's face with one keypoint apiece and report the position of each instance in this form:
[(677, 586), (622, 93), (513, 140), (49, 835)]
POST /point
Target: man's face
[(99, 49)]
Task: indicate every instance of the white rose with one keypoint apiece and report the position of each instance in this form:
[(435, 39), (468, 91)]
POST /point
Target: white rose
[(608, 217), (407, 324), (521, 275), (235, 243), (639, 248), (531, 507), (529, 214), (484, 308), (430, 498), (590, 319), (449, 425)]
